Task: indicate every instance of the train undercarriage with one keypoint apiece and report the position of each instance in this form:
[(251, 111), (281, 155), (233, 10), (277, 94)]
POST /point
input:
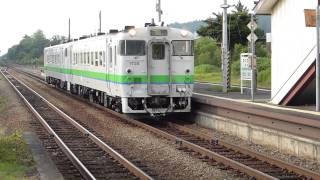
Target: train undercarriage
[(155, 105)]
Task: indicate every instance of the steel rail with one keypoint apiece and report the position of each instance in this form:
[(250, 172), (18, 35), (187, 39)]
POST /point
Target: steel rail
[(76, 162), (262, 157), (212, 155), (118, 157)]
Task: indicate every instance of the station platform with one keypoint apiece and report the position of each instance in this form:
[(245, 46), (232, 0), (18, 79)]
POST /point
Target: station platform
[(261, 101)]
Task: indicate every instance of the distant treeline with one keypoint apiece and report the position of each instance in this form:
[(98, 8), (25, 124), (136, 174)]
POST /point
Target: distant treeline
[(30, 48)]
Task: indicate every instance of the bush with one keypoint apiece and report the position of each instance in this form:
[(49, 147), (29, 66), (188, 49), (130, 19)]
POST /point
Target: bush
[(207, 52)]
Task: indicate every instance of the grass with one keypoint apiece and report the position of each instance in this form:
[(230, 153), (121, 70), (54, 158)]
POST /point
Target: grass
[(207, 73), (16, 160)]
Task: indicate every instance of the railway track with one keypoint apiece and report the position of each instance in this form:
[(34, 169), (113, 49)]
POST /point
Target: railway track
[(219, 153), (79, 153)]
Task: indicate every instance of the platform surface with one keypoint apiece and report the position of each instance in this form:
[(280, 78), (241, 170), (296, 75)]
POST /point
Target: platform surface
[(261, 101)]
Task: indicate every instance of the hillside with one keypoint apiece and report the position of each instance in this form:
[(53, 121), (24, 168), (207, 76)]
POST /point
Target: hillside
[(192, 26)]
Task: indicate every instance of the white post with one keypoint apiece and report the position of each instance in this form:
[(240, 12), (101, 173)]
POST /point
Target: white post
[(318, 60), (253, 63), (224, 47)]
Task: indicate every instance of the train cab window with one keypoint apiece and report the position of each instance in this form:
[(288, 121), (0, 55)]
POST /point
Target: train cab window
[(182, 48), (132, 48), (158, 51)]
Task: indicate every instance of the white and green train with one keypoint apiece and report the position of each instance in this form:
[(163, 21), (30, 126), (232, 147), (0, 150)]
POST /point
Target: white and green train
[(138, 70)]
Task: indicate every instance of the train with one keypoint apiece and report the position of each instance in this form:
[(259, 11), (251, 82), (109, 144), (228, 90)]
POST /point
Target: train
[(146, 70)]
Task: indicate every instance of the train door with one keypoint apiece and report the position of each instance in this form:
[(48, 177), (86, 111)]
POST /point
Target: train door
[(66, 66), (110, 66), (159, 75)]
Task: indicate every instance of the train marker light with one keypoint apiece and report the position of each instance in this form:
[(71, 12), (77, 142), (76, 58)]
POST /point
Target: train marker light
[(184, 33), (132, 32)]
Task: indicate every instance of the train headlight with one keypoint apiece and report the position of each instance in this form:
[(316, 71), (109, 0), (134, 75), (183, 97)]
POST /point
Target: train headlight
[(184, 33), (132, 32)]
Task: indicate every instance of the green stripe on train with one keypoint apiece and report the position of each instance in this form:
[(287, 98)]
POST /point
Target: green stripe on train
[(123, 78)]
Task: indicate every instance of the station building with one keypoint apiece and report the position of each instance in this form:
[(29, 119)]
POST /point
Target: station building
[(293, 49)]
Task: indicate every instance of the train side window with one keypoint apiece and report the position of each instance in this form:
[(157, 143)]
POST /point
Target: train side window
[(115, 55), (96, 59), (100, 58), (65, 52), (104, 58), (110, 56), (92, 58), (88, 58)]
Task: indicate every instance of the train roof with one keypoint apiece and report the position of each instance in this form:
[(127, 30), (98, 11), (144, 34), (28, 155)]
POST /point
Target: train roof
[(143, 33)]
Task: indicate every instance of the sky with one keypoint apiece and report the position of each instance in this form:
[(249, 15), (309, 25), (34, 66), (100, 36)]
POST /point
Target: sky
[(20, 17)]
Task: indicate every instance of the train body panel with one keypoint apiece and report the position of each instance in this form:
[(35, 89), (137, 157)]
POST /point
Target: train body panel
[(143, 70)]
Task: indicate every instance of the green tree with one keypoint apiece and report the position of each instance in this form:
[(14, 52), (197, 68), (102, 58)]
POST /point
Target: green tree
[(207, 51), (237, 21)]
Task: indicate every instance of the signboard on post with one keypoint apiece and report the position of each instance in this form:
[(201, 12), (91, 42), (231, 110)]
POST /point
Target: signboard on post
[(245, 68), (310, 17)]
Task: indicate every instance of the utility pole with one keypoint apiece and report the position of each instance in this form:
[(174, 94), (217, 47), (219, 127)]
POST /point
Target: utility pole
[(318, 59), (99, 22), (158, 9), (225, 49), (253, 39)]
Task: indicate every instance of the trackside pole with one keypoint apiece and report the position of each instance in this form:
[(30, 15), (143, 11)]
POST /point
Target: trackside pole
[(318, 60)]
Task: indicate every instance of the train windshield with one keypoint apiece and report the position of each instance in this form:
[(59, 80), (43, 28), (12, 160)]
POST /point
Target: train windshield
[(182, 48), (132, 48)]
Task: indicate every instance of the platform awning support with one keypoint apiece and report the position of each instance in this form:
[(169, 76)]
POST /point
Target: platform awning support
[(318, 60)]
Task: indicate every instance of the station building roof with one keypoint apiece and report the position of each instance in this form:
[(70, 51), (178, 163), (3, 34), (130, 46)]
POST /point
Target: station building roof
[(264, 7)]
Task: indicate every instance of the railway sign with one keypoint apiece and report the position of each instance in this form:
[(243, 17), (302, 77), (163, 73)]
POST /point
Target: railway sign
[(252, 25), (310, 17), (253, 37)]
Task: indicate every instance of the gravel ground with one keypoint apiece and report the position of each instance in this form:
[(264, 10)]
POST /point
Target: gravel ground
[(14, 116), (158, 154), (308, 164)]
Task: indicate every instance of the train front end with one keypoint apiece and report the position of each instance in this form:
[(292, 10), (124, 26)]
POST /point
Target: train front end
[(162, 76)]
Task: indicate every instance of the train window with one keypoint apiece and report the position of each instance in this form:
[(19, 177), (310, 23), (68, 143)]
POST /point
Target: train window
[(100, 58), (115, 55), (65, 52), (182, 48), (158, 51), (132, 48), (88, 58), (110, 56), (96, 59), (104, 58)]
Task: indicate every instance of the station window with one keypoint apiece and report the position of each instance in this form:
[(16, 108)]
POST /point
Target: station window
[(158, 51)]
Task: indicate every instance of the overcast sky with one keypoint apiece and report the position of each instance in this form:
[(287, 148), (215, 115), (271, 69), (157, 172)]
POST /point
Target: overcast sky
[(20, 17)]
